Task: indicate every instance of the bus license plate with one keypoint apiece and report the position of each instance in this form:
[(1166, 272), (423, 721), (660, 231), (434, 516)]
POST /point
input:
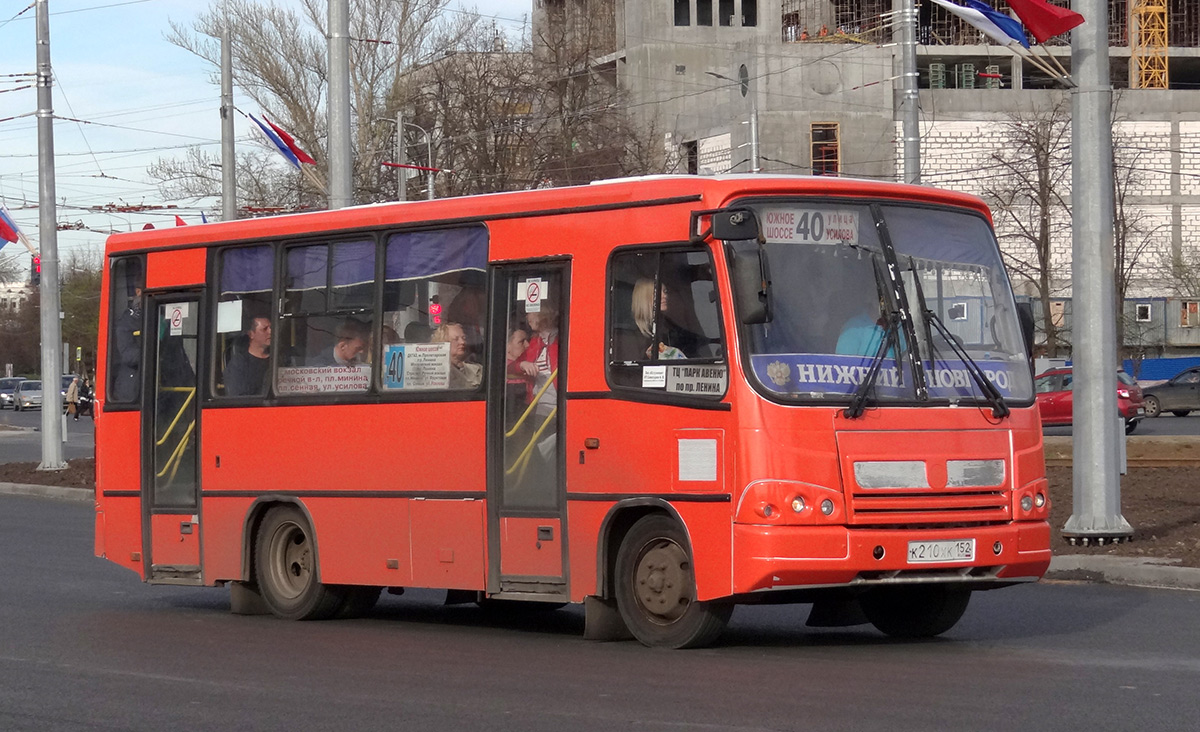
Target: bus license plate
[(957, 550)]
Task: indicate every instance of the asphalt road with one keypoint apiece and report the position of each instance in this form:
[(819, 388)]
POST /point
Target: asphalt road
[(85, 646), (26, 446)]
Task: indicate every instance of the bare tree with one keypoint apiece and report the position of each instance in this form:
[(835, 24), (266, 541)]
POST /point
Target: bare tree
[(280, 63), (1029, 202)]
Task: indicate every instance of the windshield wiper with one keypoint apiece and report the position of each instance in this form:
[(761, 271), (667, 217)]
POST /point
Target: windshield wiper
[(858, 404)]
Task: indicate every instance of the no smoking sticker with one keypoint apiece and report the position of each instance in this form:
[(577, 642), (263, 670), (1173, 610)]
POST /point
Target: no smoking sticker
[(175, 316), (532, 293)]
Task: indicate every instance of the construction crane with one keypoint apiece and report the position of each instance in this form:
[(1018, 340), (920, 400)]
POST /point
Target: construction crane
[(1150, 44)]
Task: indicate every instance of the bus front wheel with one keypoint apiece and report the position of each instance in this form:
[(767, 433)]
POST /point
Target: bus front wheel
[(286, 568), (920, 611), (656, 588)]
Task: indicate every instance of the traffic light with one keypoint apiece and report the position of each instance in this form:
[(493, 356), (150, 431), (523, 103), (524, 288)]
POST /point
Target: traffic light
[(35, 270)]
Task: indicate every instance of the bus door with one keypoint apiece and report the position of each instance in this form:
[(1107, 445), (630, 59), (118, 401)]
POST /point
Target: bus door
[(170, 474), (526, 491)]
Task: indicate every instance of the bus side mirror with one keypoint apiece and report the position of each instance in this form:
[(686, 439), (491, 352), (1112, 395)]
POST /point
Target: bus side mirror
[(751, 287), (737, 224), (1025, 315)]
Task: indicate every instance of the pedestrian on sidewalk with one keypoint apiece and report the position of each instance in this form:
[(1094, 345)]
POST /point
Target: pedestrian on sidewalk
[(73, 398)]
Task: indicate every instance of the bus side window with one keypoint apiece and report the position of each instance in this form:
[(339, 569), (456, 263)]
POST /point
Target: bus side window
[(244, 332), (325, 328), (664, 314), (125, 331)]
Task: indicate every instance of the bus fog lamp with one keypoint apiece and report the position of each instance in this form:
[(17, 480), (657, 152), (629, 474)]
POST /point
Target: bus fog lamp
[(827, 507), (797, 504), (997, 548), (1026, 503), (878, 552), (1039, 500)]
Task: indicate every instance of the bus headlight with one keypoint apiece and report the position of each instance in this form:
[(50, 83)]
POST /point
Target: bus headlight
[(810, 504)]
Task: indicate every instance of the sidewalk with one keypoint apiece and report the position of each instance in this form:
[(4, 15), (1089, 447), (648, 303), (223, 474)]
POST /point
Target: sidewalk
[(1067, 567)]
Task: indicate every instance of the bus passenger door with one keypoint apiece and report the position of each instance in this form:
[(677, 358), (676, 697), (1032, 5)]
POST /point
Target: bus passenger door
[(526, 493), (170, 474)]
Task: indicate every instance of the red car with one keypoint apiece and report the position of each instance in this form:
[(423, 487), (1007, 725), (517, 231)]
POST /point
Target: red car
[(1055, 398)]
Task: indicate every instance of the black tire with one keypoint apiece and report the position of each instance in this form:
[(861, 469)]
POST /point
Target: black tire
[(1181, 412), (918, 611), (1151, 406), (1131, 426), (656, 588), (358, 601), (285, 564)]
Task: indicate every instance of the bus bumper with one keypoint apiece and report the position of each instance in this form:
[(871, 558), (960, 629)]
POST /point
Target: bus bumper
[(788, 557)]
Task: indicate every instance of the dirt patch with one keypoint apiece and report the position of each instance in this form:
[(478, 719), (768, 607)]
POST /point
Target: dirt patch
[(80, 473), (1162, 505)]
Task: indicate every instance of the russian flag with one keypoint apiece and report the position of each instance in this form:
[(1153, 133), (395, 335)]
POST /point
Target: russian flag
[(291, 143), (1044, 20), (283, 149), (9, 231)]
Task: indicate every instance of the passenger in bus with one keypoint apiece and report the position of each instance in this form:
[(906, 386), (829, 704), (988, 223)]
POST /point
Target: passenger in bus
[(467, 309), (862, 334), (670, 344), (538, 366), (350, 348), (516, 388), (126, 380), (246, 372), (389, 335), (463, 375)]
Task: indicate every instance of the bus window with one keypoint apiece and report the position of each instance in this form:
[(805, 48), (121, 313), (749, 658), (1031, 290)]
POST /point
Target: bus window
[(325, 329), (434, 310), (125, 335), (666, 323), (244, 331)]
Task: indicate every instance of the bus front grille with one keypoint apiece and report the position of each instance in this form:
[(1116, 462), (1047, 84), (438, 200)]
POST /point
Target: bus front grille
[(928, 507)]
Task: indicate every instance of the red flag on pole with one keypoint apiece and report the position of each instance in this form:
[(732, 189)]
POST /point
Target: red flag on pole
[(179, 220), (1044, 20), (291, 143)]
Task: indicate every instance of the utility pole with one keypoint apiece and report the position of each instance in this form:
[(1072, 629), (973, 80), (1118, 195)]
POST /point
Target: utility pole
[(52, 406), (1096, 508), (341, 190), (909, 99), (401, 173), (228, 156)]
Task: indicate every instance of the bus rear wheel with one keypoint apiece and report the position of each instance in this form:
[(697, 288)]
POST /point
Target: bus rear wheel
[(922, 611), (286, 568), (656, 588)]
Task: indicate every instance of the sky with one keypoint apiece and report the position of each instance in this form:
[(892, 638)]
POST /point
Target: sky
[(138, 98)]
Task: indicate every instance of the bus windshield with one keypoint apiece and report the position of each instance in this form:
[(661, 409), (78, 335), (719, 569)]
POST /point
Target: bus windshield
[(837, 305)]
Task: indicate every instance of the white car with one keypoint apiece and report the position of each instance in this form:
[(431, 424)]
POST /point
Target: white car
[(27, 395)]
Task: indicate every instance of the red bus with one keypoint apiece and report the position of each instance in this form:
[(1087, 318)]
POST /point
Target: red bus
[(659, 397)]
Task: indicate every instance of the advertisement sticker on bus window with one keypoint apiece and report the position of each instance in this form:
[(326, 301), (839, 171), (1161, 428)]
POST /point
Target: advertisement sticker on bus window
[(654, 377), (702, 380), (229, 316), (532, 292), (807, 225), (826, 373), (323, 379), (416, 366)]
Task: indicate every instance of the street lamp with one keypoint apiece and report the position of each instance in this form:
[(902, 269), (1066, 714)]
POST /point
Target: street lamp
[(402, 177), (743, 81)]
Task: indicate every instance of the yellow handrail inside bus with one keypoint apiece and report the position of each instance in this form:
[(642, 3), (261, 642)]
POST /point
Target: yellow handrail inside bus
[(176, 458), (532, 403), (191, 390), (523, 458)]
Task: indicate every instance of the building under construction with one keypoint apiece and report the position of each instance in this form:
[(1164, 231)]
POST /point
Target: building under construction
[(820, 80)]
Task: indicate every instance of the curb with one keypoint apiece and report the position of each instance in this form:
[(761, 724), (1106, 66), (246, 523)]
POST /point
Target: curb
[(1161, 573), (66, 493)]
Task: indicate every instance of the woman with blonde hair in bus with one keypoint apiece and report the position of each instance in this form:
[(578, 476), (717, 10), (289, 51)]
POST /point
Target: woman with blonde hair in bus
[(463, 375), (642, 306)]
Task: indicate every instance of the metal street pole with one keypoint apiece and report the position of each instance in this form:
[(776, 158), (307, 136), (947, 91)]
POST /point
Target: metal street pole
[(228, 156), (341, 193), (52, 406), (909, 98), (743, 83), (1096, 508), (401, 173)]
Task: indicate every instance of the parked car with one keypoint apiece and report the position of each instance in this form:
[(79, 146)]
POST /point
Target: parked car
[(28, 395), (1055, 398), (1179, 395), (7, 387)]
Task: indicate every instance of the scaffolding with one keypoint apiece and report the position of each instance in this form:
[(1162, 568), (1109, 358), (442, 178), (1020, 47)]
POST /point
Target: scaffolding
[(1149, 50)]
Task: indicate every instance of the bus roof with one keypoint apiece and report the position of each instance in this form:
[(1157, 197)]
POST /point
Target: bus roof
[(707, 191)]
